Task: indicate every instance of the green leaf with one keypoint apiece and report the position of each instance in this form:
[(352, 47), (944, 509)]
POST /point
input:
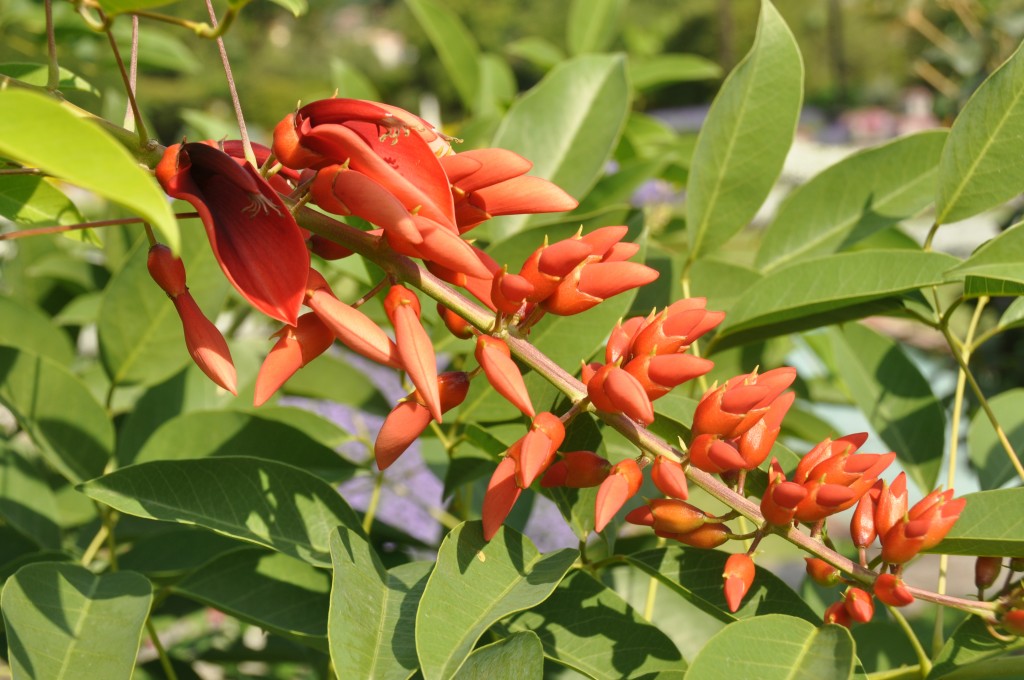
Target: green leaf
[(828, 283), (567, 125), (978, 286), (987, 527), (296, 7), (520, 656), (27, 327), (988, 456), (998, 258), (373, 611), (475, 584), (27, 502), (274, 591), (205, 434), (855, 198), (776, 647), (173, 551), (696, 575), (745, 137), (141, 341), (39, 74), (590, 629), (593, 25), (63, 621), (71, 429), (1013, 317), (122, 6), (651, 73), (980, 165), (970, 643), (260, 501), (38, 132), (897, 400), (31, 200), (455, 45), (539, 52)]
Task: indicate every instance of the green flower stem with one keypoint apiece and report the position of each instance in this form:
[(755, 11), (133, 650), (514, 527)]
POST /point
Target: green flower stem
[(938, 636), (407, 270), (902, 673), (371, 510), (925, 663), (165, 661), (242, 130), (983, 402), (52, 68), (129, 89)]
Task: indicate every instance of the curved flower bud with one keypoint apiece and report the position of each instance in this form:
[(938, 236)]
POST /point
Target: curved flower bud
[(668, 516), (739, 576), (536, 450), (859, 605), (205, 343), (502, 494), (669, 477), (415, 347), (356, 330), (577, 470), (837, 614), (891, 590), (509, 292), (892, 504), (410, 418), (502, 373), (862, 524), (297, 346), (253, 235), (622, 483), (593, 283), (613, 390), (822, 573)]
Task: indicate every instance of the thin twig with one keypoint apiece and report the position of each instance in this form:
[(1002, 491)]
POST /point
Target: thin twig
[(52, 68), (246, 144), (133, 69), (140, 126), (60, 228)]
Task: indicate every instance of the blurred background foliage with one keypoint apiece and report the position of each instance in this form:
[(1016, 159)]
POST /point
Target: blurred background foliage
[(867, 52)]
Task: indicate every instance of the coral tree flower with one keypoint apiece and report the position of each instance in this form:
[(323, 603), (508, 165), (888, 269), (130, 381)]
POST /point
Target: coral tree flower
[(254, 237), (206, 344), (410, 418), (296, 347)]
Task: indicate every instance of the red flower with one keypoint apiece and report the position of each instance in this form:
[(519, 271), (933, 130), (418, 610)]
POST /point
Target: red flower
[(253, 235), (206, 344), (298, 345)]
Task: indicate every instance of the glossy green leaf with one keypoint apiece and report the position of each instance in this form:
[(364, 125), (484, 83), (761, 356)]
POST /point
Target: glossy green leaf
[(855, 198), (567, 125), (66, 623), (496, 88), (32, 200), (271, 590), (590, 629), (696, 575), (373, 611), (980, 165), (999, 258), (745, 137), (776, 647), (593, 25), (978, 286), (455, 45), (38, 132), (39, 74), (988, 456), (666, 69), (27, 502), (141, 340), (204, 434), (351, 81), (989, 525), (27, 327), (174, 550), (722, 283), (334, 379), (520, 656), (71, 429), (475, 584), (260, 501), (1013, 317), (971, 642), (896, 399), (834, 281)]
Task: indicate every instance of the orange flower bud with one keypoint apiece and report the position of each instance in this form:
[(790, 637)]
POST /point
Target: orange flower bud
[(739, 576), (891, 590), (669, 477), (298, 345), (415, 347), (502, 494), (502, 373), (837, 614), (821, 572), (577, 470), (167, 270), (859, 605), (205, 343), (622, 483), (986, 571)]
